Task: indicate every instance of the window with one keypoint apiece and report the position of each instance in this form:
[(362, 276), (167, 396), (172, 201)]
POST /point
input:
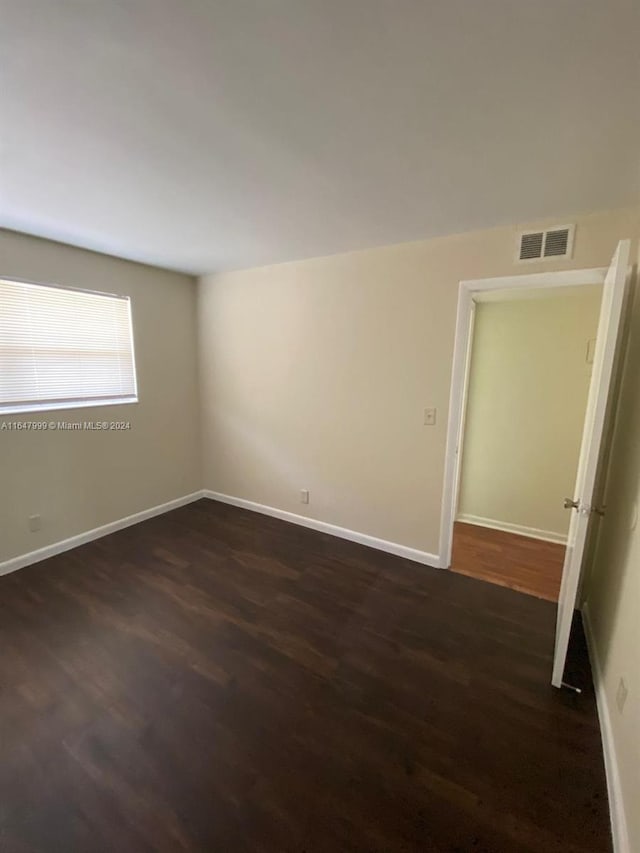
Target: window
[(64, 348)]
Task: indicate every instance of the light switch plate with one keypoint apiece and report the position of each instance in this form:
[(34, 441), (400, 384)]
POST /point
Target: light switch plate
[(429, 417)]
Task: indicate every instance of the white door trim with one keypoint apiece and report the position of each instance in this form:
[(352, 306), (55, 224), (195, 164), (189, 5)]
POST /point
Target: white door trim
[(462, 347)]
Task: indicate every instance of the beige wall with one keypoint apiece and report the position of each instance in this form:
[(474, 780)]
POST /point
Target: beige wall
[(80, 480), (315, 374), (613, 589), (528, 386)]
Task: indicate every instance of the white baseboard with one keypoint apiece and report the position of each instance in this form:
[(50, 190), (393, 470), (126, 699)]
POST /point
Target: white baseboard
[(97, 532), (324, 527), (22, 560), (507, 527), (619, 832)]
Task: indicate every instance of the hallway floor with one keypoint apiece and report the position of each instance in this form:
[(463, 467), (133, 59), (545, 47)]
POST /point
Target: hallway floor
[(508, 559)]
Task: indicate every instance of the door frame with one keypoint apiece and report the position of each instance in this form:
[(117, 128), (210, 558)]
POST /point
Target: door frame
[(460, 371)]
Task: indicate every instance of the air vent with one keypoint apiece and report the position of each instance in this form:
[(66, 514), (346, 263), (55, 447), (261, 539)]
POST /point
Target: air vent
[(544, 245), (556, 243), (531, 246)]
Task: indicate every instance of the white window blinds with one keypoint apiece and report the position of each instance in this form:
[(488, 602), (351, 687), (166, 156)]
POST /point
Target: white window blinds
[(63, 348)]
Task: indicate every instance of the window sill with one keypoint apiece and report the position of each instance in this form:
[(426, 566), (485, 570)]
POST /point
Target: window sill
[(29, 408)]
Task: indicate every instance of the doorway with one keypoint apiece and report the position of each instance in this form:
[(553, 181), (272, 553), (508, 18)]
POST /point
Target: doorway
[(526, 389), (583, 504)]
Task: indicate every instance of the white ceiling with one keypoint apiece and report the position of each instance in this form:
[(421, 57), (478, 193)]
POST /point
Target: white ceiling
[(212, 134)]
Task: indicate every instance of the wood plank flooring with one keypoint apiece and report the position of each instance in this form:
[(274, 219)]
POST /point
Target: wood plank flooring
[(508, 559), (216, 680)]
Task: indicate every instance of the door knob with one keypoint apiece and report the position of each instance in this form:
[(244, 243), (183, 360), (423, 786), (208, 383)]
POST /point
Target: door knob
[(571, 504)]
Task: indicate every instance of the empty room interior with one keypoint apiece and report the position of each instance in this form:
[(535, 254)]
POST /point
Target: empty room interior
[(319, 426)]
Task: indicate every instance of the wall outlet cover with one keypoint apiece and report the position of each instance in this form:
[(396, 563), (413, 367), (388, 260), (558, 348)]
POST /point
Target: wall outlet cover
[(621, 695)]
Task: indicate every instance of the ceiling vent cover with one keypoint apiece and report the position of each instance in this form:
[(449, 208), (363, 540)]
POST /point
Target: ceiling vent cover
[(544, 245)]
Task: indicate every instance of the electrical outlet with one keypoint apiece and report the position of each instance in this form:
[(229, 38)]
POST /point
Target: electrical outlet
[(429, 417), (621, 695), (304, 496), (34, 523)]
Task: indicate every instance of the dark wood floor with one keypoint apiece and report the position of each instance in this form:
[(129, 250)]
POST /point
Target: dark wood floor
[(215, 680), (508, 559)]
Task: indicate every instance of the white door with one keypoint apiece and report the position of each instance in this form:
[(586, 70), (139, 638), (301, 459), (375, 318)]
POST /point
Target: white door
[(581, 503)]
